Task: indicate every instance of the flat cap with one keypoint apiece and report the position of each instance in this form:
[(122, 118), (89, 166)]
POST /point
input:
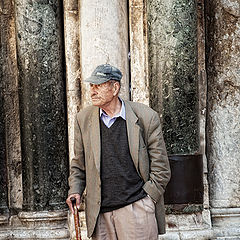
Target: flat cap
[(104, 73)]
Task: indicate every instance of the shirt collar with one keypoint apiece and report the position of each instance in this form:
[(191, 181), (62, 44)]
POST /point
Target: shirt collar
[(121, 114)]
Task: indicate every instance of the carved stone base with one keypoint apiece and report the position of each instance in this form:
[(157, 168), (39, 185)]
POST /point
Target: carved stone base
[(226, 223), (4, 219), (226, 217), (37, 225), (30, 234)]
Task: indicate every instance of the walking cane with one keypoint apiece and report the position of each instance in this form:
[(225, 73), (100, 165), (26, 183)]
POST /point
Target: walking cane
[(76, 219)]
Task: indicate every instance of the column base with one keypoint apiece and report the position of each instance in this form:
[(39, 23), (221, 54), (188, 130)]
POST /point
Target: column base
[(4, 219), (225, 217), (37, 225), (43, 219), (226, 223)]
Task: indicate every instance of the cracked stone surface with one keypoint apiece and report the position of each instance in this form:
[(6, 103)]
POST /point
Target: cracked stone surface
[(173, 72), (223, 47), (42, 104), (104, 39)]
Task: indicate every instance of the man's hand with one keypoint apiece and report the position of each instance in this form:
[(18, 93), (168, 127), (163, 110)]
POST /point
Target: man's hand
[(78, 200)]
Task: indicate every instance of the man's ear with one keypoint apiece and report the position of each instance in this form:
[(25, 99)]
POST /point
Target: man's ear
[(116, 88)]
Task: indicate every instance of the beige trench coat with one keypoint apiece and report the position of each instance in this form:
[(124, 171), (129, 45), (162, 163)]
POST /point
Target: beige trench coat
[(147, 149)]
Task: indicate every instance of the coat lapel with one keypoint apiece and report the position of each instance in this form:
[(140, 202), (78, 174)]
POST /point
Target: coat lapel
[(94, 127), (133, 133)]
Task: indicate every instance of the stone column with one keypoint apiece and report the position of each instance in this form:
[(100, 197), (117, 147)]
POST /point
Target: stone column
[(173, 85), (139, 51), (104, 39), (11, 167), (173, 72), (43, 117), (73, 71), (9, 80), (73, 81), (223, 126)]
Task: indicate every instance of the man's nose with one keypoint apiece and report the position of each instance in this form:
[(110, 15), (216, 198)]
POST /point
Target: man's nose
[(93, 90)]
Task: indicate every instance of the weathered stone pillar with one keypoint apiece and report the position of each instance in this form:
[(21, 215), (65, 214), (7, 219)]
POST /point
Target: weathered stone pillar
[(173, 85), (73, 81), (173, 71), (139, 51), (11, 159), (104, 39), (9, 80), (43, 117), (73, 71), (223, 126)]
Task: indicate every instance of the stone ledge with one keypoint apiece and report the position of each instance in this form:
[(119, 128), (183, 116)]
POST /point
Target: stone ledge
[(224, 211), (188, 235), (213, 234), (227, 233), (223, 217), (25, 234)]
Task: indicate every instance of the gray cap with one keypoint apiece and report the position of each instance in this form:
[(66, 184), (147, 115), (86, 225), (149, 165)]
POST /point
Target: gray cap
[(104, 73)]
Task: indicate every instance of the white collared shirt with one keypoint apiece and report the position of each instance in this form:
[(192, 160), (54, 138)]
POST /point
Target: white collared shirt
[(108, 121)]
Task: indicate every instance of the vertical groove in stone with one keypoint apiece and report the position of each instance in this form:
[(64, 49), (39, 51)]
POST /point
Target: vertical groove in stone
[(3, 167), (202, 74), (223, 125), (104, 39), (42, 97), (139, 51), (173, 78), (73, 71), (11, 104), (202, 78)]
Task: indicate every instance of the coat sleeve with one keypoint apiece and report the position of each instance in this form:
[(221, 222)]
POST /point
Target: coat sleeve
[(77, 180), (159, 165)]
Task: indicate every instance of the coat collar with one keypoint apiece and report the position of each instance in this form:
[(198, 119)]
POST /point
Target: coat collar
[(132, 131), (94, 128)]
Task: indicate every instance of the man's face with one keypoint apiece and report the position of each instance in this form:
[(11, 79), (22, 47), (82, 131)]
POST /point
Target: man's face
[(102, 94)]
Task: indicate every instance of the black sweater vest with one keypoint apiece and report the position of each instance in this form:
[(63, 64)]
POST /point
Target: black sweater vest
[(120, 182)]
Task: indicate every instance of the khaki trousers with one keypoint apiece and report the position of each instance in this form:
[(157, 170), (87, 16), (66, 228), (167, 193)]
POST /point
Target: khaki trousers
[(135, 221)]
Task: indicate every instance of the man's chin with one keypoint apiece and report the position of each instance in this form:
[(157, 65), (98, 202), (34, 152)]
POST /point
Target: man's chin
[(95, 103)]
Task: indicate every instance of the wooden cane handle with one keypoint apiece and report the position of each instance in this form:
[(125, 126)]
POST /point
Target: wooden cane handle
[(76, 219)]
